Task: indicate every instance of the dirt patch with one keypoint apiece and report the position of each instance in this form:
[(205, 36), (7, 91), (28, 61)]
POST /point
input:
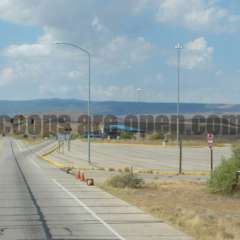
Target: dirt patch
[(189, 206)]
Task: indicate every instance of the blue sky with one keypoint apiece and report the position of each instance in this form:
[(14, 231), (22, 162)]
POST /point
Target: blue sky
[(132, 43)]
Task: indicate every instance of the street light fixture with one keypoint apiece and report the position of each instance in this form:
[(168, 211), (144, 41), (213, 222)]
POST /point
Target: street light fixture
[(139, 93), (89, 91), (179, 47)]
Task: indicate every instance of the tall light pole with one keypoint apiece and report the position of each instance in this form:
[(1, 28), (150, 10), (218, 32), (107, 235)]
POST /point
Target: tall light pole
[(179, 47), (139, 93), (89, 91)]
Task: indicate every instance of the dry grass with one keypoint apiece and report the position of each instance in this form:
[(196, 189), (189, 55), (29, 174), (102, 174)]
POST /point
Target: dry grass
[(189, 206), (32, 141)]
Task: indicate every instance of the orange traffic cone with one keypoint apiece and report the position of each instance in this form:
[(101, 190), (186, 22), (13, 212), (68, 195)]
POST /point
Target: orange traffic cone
[(78, 175), (82, 177)]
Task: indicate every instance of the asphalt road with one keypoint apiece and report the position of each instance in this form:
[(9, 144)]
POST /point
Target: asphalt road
[(143, 156), (38, 201)]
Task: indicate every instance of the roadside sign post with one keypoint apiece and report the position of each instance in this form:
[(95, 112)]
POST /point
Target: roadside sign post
[(211, 150), (60, 138), (68, 137), (210, 138), (68, 140)]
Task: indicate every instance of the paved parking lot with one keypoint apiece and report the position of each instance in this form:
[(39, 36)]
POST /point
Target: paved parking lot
[(142, 156)]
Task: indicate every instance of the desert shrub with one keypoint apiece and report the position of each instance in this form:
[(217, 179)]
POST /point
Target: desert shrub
[(156, 136), (126, 135), (223, 179), (75, 136), (126, 180)]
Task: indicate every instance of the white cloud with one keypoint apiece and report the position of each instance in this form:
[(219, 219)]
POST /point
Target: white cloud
[(6, 76), (16, 11), (74, 21), (74, 75), (58, 70), (195, 54), (197, 15), (101, 29), (122, 53), (113, 91), (28, 50), (192, 14), (97, 25)]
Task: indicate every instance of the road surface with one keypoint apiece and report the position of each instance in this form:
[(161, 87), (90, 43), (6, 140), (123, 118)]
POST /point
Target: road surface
[(38, 201), (143, 156)]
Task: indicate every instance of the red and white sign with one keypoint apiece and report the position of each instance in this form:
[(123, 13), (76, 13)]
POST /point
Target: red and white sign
[(210, 138)]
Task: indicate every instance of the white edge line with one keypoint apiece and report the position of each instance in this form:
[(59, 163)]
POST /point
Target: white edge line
[(19, 147), (89, 210), (35, 164)]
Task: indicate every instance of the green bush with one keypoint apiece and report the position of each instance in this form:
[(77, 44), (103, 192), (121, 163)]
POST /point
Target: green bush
[(126, 135), (156, 136), (75, 136), (223, 179), (126, 180)]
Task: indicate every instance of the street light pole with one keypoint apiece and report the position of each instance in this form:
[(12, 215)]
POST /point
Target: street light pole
[(179, 47), (89, 92), (139, 93)]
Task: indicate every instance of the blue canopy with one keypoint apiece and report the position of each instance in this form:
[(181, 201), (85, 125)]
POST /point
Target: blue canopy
[(123, 128)]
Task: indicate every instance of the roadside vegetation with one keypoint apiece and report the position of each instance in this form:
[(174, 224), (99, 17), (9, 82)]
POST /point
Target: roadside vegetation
[(126, 180), (187, 205), (126, 136), (206, 211), (156, 136), (224, 179)]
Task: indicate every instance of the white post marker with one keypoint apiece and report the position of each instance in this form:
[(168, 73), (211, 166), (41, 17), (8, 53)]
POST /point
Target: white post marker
[(210, 139)]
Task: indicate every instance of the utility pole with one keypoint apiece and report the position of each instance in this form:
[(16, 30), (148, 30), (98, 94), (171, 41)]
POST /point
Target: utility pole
[(179, 47), (89, 92)]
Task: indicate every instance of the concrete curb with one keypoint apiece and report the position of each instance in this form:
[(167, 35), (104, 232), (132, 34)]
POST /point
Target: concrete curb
[(50, 151), (53, 162)]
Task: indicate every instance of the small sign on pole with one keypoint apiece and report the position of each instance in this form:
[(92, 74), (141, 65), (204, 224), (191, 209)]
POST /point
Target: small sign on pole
[(210, 139)]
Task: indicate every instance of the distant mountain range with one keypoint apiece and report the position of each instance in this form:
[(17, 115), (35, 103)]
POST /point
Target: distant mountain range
[(110, 107)]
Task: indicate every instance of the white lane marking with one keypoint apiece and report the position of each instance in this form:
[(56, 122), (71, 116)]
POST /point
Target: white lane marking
[(82, 204), (35, 164), (19, 147)]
